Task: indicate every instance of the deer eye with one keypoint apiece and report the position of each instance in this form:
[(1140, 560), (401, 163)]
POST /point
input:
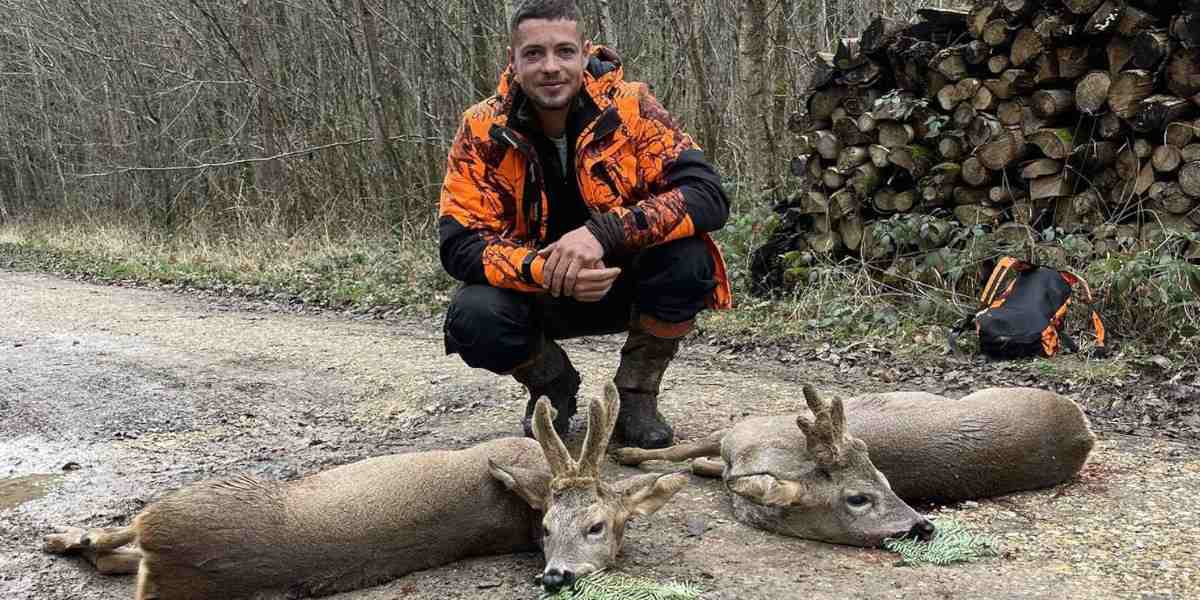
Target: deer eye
[(596, 529), (858, 500)]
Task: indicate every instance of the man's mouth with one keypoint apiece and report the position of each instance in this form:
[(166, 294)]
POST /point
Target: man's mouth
[(554, 87)]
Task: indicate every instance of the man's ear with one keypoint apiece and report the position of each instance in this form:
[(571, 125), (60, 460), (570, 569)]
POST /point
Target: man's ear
[(509, 53), (532, 486), (645, 494)]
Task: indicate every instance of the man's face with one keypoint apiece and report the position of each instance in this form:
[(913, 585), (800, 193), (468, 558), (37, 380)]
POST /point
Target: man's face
[(548, 58)]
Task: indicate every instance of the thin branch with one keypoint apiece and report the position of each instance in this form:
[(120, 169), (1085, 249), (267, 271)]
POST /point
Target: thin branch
[(258, 159)]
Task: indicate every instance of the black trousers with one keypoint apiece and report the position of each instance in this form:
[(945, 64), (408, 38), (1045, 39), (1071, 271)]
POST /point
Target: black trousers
[(499, 329)]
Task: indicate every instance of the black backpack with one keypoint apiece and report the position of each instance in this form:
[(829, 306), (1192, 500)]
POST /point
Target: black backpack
[(1027, 318)]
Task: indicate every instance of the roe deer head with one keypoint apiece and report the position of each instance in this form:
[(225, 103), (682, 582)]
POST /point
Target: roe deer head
[(584, 516), (816, 483)]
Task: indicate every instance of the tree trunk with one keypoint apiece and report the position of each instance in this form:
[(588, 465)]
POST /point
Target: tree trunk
[(1166, 158), (997, 63), (1183, 72), (1150, 48), (1185, 28), (915, 159), (974, 173), (1128, 90), (1189, 179), (1026, 46), (1040, 167), (608, 33), (1105, 18), (894, 134), (754, 75), (1156, 111), (1051, 103), (999, 153), (1119, 52), (1082, 7), (1056, 143), (379, 118), (1073, 61), (1091, 93), (269, 174)]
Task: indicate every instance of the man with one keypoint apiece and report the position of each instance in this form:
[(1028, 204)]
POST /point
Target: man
[(573, 205)]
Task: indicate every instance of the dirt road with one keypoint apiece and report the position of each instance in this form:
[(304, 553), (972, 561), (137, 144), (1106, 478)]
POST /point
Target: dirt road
[(111, 396)]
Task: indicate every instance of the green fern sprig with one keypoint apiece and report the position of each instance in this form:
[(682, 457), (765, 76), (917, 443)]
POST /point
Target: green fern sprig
[(612, 586), (951, 543)]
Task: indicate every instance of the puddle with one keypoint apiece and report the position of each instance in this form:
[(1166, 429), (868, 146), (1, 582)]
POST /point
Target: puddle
[(19, 490)]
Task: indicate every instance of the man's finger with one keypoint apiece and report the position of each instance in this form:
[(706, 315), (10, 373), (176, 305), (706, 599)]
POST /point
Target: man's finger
[(600, 274), (548, 249), (548, 271), (560, 273), (569, 279)]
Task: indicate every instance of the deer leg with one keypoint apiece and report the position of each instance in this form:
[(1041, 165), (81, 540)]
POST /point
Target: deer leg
[(708, 467), (74, 539), (122, 561), (146, 588), (709, 446)]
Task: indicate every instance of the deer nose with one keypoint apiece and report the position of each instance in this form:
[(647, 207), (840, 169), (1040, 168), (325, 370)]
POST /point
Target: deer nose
[(554, 579), (923, 529)]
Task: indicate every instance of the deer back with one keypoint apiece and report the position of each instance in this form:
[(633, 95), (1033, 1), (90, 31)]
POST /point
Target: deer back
[(345, 528), (991, 442)]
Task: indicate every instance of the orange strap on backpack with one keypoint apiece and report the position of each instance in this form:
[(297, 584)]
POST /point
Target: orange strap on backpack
[(1073, 279)]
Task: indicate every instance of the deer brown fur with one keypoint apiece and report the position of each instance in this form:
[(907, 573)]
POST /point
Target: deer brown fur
[(371, 521), (927, 447)]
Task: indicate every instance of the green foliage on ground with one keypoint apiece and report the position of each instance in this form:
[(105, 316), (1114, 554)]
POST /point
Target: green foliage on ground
[(614, 586), (951, 543)]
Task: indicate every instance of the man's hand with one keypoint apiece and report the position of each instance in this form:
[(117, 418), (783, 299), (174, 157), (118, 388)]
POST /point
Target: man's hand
[(576, 250), (593, 284)]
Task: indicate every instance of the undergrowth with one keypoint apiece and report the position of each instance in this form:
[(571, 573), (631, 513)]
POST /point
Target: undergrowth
[(351, 272)]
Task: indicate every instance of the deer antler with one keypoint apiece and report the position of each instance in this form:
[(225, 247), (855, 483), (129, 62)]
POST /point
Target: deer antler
[(559, 459), (565, 471), (826, 433), (601, 421)]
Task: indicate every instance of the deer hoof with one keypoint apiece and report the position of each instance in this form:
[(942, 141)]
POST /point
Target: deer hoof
[(69, 539)]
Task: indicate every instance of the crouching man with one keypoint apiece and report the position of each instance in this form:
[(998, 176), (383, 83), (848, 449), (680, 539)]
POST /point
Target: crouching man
[(574, 205)]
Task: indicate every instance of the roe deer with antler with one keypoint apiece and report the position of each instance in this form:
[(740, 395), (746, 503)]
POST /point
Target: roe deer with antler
[(824, 485), (371, 521)]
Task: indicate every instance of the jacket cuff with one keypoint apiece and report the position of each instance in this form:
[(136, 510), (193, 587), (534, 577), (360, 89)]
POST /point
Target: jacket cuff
[(531, 268), (608, 229)]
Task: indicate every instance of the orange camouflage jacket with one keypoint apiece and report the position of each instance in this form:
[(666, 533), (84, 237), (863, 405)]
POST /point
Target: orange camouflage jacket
[(634, 167)]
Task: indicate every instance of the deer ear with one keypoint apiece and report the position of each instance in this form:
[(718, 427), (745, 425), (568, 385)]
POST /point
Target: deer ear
[(645, 494), (766, 490), (532, 486)]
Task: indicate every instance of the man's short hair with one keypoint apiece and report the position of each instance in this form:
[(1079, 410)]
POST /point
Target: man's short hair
[(549, 10)]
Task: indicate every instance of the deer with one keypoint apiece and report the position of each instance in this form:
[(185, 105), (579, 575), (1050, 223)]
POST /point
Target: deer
[(375, 520), (834, 480)]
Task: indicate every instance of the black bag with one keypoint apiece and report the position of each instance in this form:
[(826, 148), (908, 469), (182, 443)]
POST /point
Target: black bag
[(1027, 318)]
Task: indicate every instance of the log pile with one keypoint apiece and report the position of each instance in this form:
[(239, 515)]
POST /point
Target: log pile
[(1081, 117)]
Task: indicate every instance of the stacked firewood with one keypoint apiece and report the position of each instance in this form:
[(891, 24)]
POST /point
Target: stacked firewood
[(1017, 117)]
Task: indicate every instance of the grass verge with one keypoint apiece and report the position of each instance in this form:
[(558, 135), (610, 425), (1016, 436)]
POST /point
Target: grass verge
[(1144, 298)]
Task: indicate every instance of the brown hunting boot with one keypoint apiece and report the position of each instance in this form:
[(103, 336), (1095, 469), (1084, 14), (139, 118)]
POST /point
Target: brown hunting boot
[(550, 374), (644, 359)]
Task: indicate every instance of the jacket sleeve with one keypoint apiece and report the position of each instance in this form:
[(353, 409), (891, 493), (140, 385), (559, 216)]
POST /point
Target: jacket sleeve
[(686, 193), (472, 222)]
